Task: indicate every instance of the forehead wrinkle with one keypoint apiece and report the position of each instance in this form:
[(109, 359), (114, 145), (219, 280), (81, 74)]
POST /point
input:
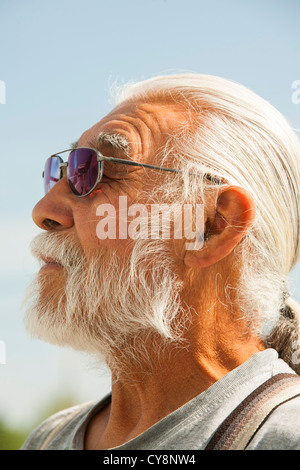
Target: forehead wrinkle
[(154, 126), (141, 122)]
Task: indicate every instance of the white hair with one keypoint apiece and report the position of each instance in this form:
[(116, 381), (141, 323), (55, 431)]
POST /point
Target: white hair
[(239, 137), (108, 307)]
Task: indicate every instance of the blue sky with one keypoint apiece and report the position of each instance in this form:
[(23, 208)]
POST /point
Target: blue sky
[(58, 60)]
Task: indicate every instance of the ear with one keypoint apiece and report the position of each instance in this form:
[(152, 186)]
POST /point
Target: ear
[(227, 221)]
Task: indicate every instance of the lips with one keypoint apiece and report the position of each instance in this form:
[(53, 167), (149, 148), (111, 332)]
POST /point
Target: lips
[(49, 262)]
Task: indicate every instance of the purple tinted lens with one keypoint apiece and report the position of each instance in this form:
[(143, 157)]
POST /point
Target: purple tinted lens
[(83, 171), (51, 172)]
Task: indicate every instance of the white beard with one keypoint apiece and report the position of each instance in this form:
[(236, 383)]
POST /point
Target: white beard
[(106, 306)]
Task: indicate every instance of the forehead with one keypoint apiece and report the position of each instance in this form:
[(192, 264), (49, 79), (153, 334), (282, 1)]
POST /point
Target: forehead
[(143, 125)]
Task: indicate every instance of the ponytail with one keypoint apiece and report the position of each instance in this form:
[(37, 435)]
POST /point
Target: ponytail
[(285, 337)]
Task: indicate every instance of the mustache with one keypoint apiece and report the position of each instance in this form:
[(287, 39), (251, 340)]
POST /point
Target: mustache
[(57, 248)]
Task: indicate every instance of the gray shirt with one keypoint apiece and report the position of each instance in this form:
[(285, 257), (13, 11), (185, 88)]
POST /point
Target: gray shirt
[(192, 425)]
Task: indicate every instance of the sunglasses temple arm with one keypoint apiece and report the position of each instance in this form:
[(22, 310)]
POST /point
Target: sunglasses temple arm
[(212, 179), (143, 165)]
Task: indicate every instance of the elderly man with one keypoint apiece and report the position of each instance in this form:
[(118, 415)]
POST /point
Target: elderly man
[(201, 338)]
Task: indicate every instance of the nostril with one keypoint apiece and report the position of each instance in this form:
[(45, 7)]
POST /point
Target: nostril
[(50, 224)]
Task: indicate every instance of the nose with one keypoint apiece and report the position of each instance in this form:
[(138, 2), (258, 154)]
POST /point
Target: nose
[(54, 210)]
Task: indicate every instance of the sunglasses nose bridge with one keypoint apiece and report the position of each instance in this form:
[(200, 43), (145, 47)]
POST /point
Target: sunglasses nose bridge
[(63, 168)]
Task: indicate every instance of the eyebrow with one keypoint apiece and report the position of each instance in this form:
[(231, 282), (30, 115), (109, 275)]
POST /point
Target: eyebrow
[(115, 140)]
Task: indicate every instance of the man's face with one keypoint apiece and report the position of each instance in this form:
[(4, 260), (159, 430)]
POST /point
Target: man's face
[(93, 294), (146, 128)]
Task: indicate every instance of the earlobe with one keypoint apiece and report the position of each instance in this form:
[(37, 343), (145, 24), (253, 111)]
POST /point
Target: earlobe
[(227, 221)]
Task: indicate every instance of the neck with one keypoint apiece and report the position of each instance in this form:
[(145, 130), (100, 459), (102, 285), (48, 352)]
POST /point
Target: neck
[(140, 399)]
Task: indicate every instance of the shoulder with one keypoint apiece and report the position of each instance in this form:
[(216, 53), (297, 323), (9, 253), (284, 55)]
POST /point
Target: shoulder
[(48, 429), (281, 430)]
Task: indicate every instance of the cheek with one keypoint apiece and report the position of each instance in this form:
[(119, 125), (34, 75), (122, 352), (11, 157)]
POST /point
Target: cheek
[(103, 232)]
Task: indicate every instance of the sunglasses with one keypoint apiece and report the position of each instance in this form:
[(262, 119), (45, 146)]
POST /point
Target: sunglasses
[(85, 169)]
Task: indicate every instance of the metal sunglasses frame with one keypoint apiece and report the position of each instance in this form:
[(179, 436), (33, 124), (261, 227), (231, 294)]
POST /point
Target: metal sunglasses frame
[(102, 158)]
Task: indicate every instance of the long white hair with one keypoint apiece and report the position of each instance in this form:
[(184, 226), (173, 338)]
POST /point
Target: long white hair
[(239, 137)]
